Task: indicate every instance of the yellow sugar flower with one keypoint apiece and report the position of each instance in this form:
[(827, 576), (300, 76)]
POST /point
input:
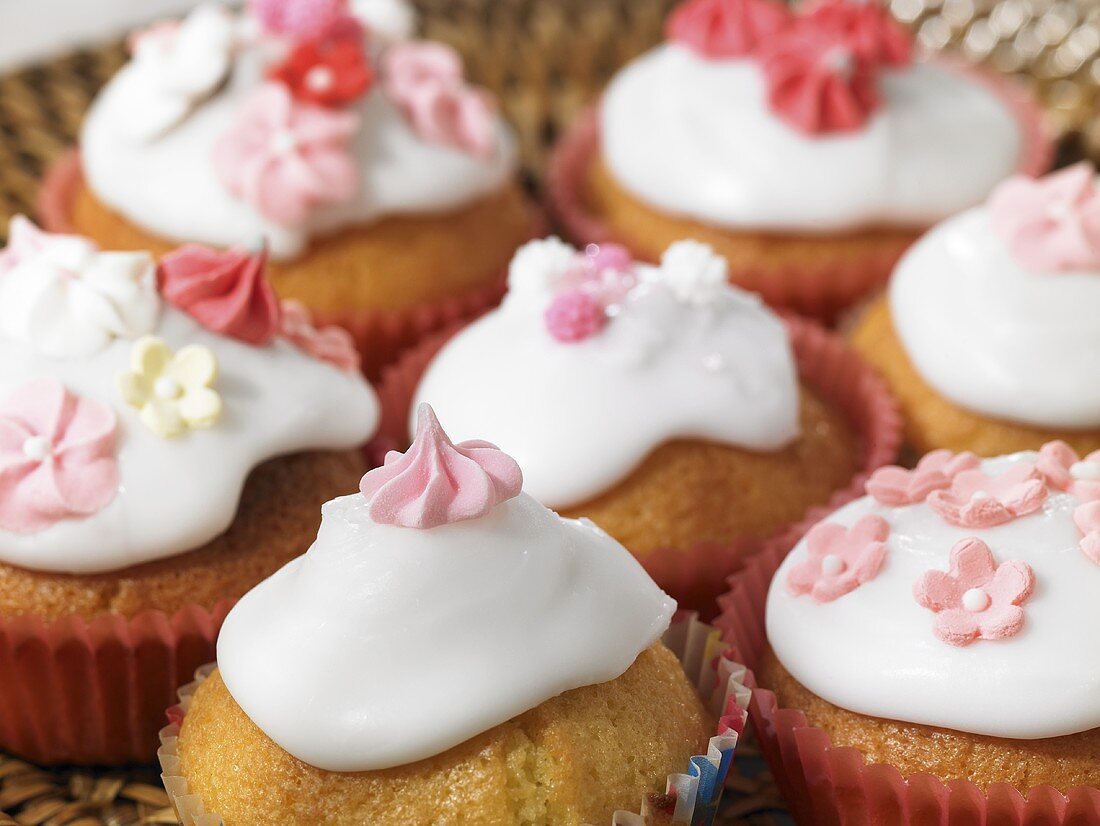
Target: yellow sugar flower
[(173, 391)]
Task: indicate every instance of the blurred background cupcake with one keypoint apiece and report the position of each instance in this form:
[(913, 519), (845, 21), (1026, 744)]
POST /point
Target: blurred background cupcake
[(808, 147), (658, 401), (560, 705), (384, 182), (160, 454), (988, 336)]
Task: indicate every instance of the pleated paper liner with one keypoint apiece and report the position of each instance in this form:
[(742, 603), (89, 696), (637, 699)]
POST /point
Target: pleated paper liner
[(822, 290), (380, 336), (689, 798), (829, 784), (94, 691), (696, 575)]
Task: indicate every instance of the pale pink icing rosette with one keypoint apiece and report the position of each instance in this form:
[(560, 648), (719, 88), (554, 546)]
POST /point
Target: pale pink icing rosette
[(820, 291), (694, 575), (379, 335), (823, 783)]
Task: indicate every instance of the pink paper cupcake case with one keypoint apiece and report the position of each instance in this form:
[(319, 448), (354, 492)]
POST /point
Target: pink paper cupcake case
[(827, 784), (821, 291), (94, 691), (380, 336), (695, 576), (691, 797)]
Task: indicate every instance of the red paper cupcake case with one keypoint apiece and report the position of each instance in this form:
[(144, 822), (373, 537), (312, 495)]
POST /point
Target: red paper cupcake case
[(380, 336), (822, 291), (826, 784), (696, 575), (94, 691)]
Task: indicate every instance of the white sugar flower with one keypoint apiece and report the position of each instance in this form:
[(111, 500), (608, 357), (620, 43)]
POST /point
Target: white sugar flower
[(694, 272), (538, 265)]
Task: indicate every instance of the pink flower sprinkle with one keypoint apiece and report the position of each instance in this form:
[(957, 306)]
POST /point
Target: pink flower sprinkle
[(614, 257), (1065, 471), (976, 598), (976, 500), (897, 486), (57, 457), (301, 19), (1087, 519), (330, 344), (840, 559), (1051, 224), (575, 315), (725, 28)]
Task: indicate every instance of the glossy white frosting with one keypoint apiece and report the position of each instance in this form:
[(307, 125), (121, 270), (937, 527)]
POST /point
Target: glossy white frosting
[(695, 136), (995, 337), (873, 651), (169, 187), (580, 417), (177, 494), (385, 645)]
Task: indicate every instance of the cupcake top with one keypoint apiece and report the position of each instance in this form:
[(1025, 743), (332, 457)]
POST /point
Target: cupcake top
[(997, 307), (438, 602), (135, 399), (592, 361), (293, 119), (960, 594), (754, 117)]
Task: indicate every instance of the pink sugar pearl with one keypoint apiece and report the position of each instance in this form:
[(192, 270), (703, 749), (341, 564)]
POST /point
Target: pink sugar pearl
[(574, 316)]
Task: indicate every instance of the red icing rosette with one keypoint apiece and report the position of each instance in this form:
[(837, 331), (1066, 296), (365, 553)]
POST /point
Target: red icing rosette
[(380, 335), (823, 783), (695, 575), (94, 691)]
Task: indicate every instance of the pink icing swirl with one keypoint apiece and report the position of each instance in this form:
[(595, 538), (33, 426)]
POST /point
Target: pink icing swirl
[(436, 482)]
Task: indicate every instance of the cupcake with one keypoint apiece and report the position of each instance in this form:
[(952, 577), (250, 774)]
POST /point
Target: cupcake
[(809, 148), (934, 627), (166, 436), (658, 401), (447, 651), (384, 183), (988, 335)]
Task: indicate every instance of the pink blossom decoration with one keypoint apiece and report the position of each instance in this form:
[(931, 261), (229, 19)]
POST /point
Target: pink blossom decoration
[(976, 598), (1063, 470), (1050, 224), (301, 19), (426, 82), (840, 559), (896, 486), (57, 457), (721, 29), (285, 158), (1087, 519), (976, 500), (868, 29), (329, 344), (24, 239), (575, 315)]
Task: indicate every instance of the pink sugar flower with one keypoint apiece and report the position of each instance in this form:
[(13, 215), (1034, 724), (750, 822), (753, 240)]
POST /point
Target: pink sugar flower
[(426, 82), (840, 559), (24, 239), (976, 500), (301, 19), (1050, 224), (721, 29), (976, 598), (575, 315), (897, 486), (1087, 519), (330, 344), (868, 29), (286, 158), (1065, 471), (57, 457)]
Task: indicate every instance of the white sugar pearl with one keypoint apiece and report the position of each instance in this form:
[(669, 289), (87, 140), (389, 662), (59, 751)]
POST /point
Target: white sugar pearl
[(831, 565), (979, 494), (283, 142), (1088, 471), (37, 448), (319, 78), (167, 388), (840, 62), (976, 600)]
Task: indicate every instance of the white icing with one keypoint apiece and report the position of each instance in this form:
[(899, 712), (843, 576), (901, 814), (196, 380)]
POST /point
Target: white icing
[(696, 137), (580, 417), (169, 186), (177, 494), (69, 300), (995, 337), (873, 651), (386, 645)]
